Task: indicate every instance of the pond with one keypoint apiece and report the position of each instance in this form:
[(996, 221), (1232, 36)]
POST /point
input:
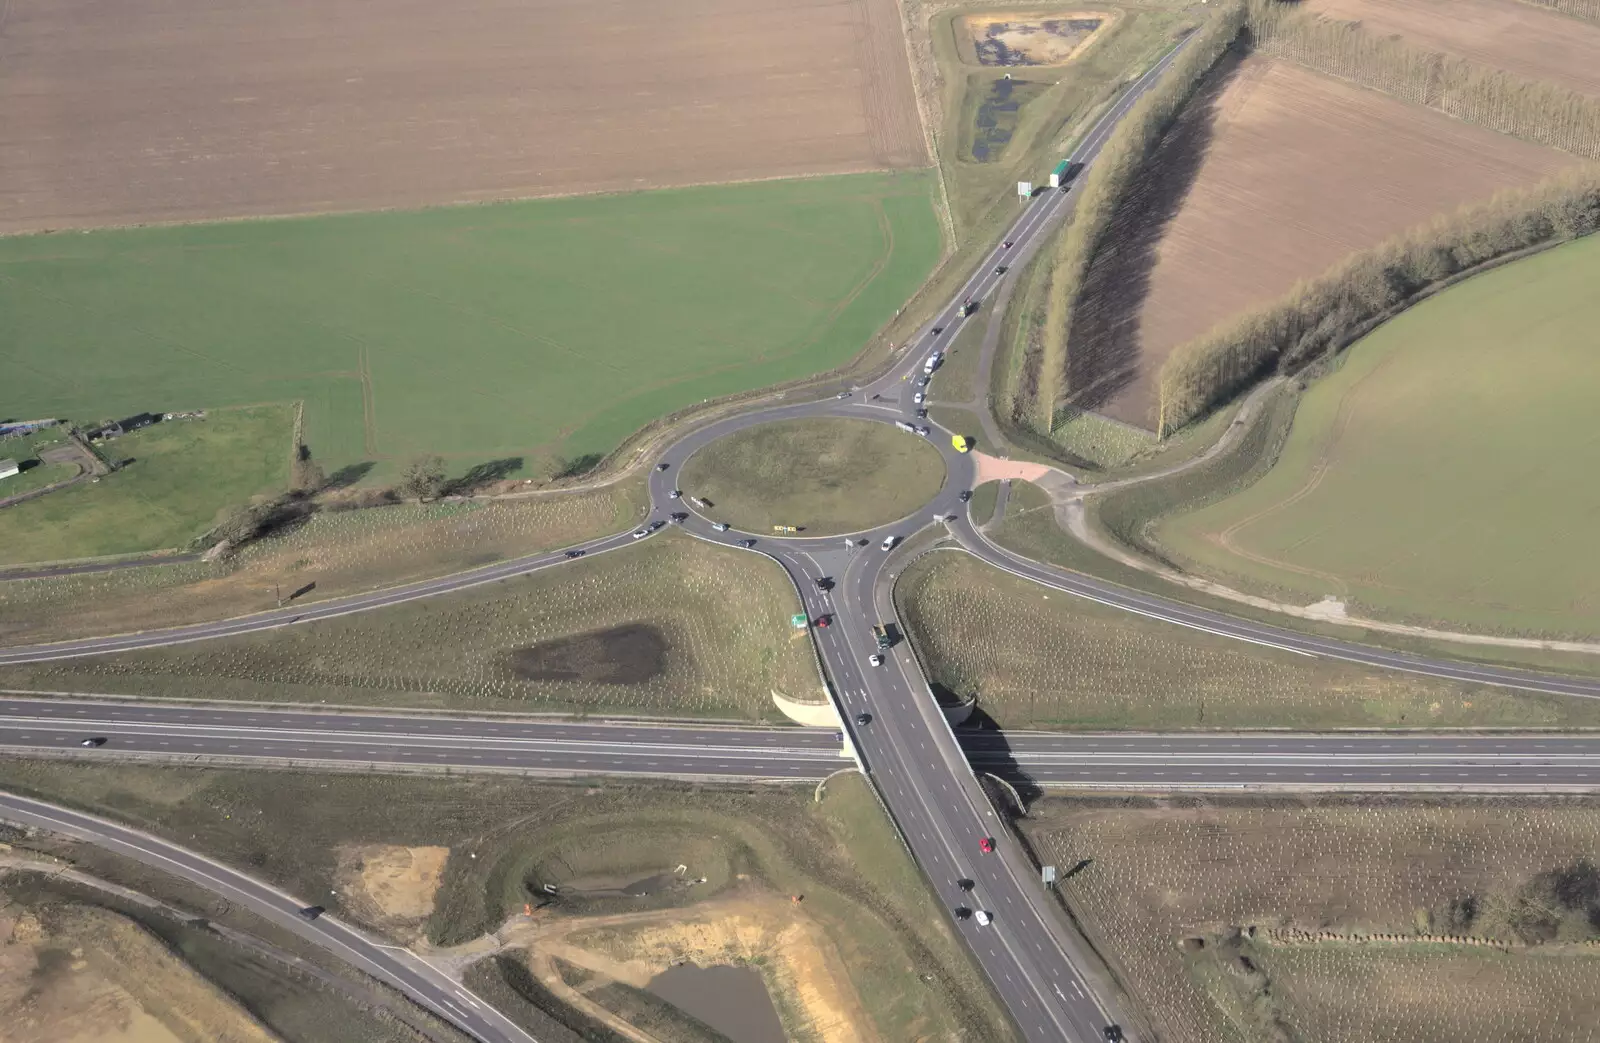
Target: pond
[(732, 1000)]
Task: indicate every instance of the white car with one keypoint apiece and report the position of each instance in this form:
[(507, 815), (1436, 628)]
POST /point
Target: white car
[(721, 526), (875, 659), (983, 918), (640, 534), (917, 398), (890, 541), (676, 494)]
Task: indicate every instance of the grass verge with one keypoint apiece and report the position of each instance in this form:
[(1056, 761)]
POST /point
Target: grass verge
[(508, 837), (824, 476), (1338, 919), (673, 626), (1037, 658)]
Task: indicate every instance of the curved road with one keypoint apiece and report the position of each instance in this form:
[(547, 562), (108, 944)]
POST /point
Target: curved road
[(907, 746)]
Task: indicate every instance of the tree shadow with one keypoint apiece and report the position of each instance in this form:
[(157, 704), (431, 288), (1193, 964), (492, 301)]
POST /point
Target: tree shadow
[(1107, 349), (577, 466), (348, 475), (482, 475)]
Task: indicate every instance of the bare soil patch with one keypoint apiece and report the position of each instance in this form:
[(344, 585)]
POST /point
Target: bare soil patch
[(394, 884), (1008, 39), (177, 112), (1517, 37), (629, 654), (1273, 174)]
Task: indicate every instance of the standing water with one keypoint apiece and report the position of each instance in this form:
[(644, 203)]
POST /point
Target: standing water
[(732, 1000)]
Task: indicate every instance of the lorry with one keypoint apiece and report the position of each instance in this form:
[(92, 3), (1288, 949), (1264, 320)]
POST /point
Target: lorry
[(1061, 176), (908, 428), (880, 633)]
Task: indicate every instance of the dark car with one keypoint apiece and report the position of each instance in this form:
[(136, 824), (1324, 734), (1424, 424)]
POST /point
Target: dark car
[(656, 524), (938, 330), (1113, 1034), (824, 621), (966, 494), (662, 466), (1007, 244), (575, 553), (965, 885), (922, 414), (1000, 269), (824, 583), (311, 912), (963, 913), (863, 719), (92, 742), (679, 517), (747, 543)]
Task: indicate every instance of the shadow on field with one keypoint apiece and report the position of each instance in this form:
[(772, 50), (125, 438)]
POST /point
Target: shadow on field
[(349, 475), (577, 466), (989, 751), (482, 475), (1105, 354)]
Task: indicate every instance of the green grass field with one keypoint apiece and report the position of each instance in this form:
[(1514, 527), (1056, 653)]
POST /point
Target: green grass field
[(824, 476), (182, 476), (1445, 472), (539, 330), (673, 627), (1038, 658)]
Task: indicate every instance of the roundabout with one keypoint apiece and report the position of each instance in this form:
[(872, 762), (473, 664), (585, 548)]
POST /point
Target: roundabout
[(821, 476)]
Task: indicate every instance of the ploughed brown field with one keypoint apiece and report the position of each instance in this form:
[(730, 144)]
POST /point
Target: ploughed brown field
[(1273, 175), (1530, 41), (130, 111)]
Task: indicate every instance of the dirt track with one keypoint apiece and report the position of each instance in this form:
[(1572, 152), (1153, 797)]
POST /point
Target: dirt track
[(175, 110)]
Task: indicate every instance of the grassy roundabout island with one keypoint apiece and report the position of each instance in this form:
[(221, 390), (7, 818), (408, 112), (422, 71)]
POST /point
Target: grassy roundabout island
[(823, 476)]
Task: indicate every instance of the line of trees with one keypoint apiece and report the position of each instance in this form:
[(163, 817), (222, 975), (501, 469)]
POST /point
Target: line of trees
[(1324, 315), (1112, 174), (1532, 109), (1588, 10)]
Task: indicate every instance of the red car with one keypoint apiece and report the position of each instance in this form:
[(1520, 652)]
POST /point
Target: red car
[(987, 845), (824, 621)]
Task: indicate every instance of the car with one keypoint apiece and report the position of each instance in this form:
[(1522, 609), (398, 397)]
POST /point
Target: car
[(963, 913), (923, 431), (922, 382), (938, 330), (721, 526), (889, 542), (1008, 244), (863, 719), (875, 659), (824, 621), (575, 553), (1113, 1034), (677, 517), (983, 917), (986, 845), (842, 394), (922, 414), (838, 736), (999, 269), (97, 740), (662, 466), (747, 543), (965, 884), (658, 523), (311, 912), (676, 494), (640, 534), (966, 494), (824, 583), (968, 307), (918, 397)]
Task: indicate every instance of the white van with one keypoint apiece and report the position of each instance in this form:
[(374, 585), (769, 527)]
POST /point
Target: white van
[(890, 541)]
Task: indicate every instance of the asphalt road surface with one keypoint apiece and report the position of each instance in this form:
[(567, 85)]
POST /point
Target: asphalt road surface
[(390, 964), (910, 752), (1477, 762)]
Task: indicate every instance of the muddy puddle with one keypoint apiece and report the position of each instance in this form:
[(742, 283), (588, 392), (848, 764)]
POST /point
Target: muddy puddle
[(732, 1000)]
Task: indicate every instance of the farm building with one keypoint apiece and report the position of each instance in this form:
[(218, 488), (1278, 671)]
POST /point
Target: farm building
[(8, 468)]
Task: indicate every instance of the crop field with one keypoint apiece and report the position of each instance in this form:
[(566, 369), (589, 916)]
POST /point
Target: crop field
[(1451, 921), (672, 627), (1037, 658), (167, 113), (530, 334), (1506, 34), (1222, 223), (329, 555), (183, 476), (867, 917), (823, 476), (1431, 477)]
